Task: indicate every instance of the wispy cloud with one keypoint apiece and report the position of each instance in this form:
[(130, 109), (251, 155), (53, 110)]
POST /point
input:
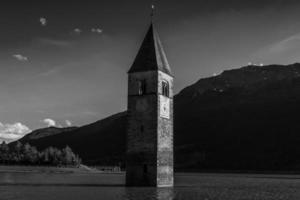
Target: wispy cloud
[(20, 57), (43, 21), (96, 30), (12, 132), (285, 44), (49, 72), (54, 42), (77, 31), (285, 48)]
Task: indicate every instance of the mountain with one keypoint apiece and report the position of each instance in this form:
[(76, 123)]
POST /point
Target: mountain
[(244, 118), (45, 132), (100, 142), (241, 119)]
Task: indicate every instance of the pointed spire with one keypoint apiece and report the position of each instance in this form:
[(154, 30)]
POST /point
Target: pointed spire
[(151, 56)]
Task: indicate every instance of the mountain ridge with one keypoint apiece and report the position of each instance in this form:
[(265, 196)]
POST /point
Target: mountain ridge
[(242, 119), (44, 132)]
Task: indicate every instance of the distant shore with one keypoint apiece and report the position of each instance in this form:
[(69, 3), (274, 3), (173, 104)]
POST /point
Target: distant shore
[(46, 169)]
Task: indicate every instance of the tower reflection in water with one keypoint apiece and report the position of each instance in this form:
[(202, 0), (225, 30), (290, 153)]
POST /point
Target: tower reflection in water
[(139, 193)]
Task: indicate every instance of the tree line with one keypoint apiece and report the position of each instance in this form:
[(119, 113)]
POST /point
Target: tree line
[(26, 154)]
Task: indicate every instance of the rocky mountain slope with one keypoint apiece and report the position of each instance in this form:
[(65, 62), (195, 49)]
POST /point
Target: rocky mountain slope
[(44, 132)]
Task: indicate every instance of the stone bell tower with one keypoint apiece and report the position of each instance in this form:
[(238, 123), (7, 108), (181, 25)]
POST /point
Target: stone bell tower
[(149, 156)]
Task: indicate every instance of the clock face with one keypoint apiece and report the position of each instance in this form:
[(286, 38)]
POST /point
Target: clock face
[(164, 107)]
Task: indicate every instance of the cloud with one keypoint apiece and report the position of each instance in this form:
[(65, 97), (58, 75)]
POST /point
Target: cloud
[(43, 21), (68, 123), (53, 42), (77, 31), (12, 132), (20, 57), (49, 122), (49, 72), (242, 5), (285, 44), (96, 30), (284, 49)]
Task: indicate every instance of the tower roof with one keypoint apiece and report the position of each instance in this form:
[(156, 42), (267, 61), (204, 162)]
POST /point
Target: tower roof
[(151, 55)]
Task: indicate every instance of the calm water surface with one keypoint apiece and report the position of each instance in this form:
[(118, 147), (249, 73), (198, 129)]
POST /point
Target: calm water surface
[(43, 186)]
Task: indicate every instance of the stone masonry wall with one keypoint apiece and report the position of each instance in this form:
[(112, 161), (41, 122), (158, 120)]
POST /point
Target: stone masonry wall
[(149, 153)]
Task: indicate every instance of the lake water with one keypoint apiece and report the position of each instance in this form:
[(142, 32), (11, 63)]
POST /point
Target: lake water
[(76, 186)]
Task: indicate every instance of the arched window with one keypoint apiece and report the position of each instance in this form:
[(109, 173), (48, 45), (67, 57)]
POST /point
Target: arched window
[(142, 87), (165, 88)]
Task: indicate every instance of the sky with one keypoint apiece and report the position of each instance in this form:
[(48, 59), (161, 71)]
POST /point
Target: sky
[(65, 63)]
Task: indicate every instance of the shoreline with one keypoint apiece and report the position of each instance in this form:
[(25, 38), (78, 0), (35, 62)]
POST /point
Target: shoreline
[(47, 169), (87, 170)]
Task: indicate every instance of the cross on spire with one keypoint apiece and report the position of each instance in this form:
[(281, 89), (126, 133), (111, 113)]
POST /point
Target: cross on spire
[(152, 10)]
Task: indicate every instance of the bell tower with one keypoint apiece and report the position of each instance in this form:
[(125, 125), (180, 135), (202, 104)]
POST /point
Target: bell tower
[(149, 156)]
